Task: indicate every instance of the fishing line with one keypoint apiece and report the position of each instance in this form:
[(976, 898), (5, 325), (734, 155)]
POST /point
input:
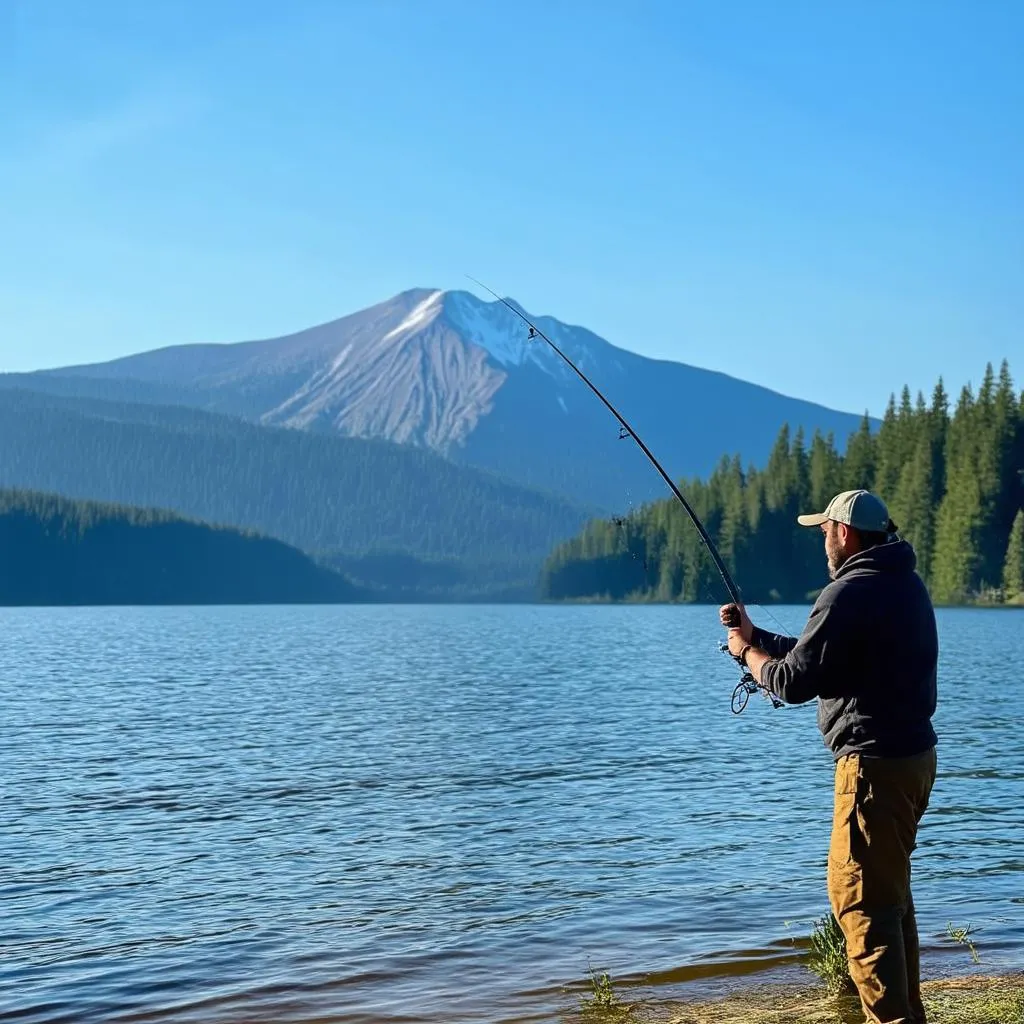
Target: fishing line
[(623, 523), (747, 685), (784, 630)]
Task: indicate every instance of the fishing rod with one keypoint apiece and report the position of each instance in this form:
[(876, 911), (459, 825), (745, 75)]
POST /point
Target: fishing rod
[(747, 684)]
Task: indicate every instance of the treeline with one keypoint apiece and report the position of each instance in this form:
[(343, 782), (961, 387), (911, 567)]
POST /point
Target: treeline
[(59, 552), (398, 577), (953, 480), (320, 492)]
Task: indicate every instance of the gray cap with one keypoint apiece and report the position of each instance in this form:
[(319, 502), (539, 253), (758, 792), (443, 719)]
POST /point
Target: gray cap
[(860, 509)]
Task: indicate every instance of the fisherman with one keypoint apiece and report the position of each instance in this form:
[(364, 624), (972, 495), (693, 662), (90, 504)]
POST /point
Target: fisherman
[(868, 653)]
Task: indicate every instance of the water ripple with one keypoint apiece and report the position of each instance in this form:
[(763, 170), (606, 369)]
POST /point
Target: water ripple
[(397, 814)]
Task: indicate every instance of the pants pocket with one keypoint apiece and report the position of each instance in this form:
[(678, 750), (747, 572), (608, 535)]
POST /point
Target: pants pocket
[(845, 828)]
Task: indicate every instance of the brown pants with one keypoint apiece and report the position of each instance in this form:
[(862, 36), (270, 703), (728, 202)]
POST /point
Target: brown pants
[(879, 802)]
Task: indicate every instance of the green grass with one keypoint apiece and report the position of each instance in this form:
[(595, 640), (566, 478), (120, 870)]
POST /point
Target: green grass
[(827, 958), (1006, 1009), (970, 1000), (963, 937), (958, 1001), (603, 1003), (985, 1008)]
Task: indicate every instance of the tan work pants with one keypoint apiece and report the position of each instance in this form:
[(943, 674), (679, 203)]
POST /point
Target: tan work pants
[(879, 802)]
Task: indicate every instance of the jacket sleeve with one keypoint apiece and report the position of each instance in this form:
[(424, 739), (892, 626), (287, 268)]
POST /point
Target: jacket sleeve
[(772, 643), (804, 671)]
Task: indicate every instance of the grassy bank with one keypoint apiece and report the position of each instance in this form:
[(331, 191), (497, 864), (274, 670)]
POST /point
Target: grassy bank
[(957, 1001), (973, 1000)]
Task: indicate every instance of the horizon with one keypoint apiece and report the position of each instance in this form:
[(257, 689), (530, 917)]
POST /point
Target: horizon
[(740, 197)]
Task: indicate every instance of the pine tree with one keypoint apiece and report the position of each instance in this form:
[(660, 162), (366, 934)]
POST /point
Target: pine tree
[(938, 428), (1013, 570), (890, 460), (960, 514), (824, 471), (1005, 495), (800, 474), (778, 472), (779, 543), (914, 508), (733, 531), (859, 462)]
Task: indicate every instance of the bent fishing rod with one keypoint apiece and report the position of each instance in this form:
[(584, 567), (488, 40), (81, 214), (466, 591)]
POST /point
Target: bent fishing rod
[(747, 684)]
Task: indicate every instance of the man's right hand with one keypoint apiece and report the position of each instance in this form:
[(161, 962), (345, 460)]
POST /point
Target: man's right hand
[(734, 616)]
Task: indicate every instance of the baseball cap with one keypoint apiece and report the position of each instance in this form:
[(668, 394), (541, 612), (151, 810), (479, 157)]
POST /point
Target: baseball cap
[(860, 509)]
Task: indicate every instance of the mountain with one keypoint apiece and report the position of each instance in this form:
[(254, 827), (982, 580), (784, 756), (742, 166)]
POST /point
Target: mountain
[(59, 552), (333, 496), (448, 372)]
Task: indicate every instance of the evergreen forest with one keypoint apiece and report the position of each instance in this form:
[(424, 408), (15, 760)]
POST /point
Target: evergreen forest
[(59, 552), (951, 473), (324, 493)]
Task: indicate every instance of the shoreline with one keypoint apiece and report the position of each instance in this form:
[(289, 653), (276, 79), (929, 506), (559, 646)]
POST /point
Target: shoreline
[(968, 999)]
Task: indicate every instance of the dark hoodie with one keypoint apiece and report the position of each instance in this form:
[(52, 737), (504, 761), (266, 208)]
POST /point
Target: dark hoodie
[(868, 653)]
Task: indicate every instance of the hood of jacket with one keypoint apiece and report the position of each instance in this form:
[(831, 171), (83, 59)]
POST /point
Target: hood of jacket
[(896, 556)]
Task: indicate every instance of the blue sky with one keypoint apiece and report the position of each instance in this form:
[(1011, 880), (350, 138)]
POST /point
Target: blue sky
[(825, 199)]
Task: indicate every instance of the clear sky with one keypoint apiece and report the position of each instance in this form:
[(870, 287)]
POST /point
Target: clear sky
[(825, 198)]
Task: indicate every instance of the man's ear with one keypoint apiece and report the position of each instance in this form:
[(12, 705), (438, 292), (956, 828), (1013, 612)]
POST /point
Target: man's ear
[(844, 533)]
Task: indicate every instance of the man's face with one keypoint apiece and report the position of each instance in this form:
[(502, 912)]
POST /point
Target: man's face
[(835, 550)]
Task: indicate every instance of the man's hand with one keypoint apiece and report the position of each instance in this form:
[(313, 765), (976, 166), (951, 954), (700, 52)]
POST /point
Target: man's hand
[(734, 617), (737, 642), (756, 658)]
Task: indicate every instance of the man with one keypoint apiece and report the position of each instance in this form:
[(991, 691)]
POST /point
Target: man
[(868, 653)]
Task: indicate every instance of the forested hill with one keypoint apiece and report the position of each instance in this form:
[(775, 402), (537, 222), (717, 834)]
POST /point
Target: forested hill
[(59, 552), (954, 482), (320, 492)]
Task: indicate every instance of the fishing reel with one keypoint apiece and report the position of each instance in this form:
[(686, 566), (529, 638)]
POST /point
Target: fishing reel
[(747, 687)]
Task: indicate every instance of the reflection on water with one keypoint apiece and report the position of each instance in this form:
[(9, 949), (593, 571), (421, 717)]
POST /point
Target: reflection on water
[(415, 813)]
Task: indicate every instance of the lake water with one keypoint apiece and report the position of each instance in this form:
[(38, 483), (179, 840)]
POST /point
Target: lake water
[(445, 813)]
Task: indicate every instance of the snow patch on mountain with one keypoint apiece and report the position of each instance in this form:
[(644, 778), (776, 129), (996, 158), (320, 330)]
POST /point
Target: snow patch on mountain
[(421, 315), (340, 358), (496, 328)]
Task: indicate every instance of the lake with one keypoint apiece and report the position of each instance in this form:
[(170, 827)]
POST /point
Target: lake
[(445, 814)]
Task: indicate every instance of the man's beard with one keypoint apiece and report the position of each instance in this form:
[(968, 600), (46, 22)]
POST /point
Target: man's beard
[(836, 559)]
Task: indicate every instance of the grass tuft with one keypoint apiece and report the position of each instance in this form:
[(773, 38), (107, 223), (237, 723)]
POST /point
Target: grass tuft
[(603, 1003), (963, 937), (827, 958)]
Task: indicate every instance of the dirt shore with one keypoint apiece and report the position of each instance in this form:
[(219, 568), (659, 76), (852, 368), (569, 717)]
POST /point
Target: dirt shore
[(973, 1000)]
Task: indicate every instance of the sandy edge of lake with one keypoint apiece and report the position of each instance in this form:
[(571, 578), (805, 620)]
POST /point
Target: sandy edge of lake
[(979, 999)]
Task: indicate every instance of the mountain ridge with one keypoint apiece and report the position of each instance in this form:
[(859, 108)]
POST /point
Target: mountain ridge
[(447, 371)]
